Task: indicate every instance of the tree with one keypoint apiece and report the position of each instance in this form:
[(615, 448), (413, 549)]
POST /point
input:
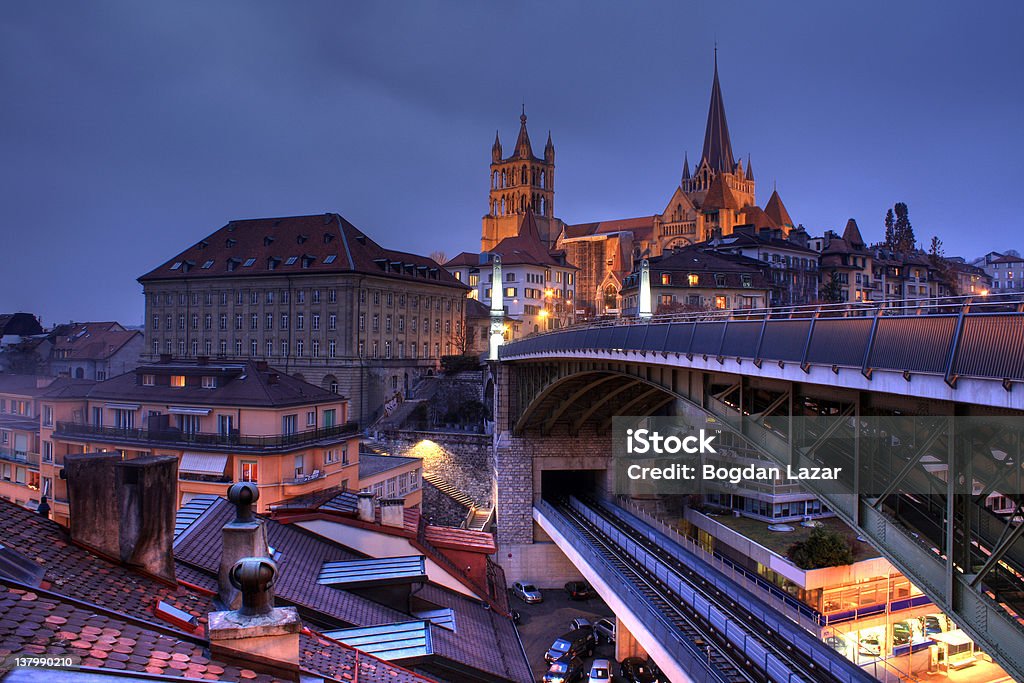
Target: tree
[(945, 270), (823, 548), (439, 257), (890, 229), (904, 241), (831, 292)]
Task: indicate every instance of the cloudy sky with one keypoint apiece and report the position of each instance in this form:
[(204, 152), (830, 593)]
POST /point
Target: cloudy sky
[(130, 130)]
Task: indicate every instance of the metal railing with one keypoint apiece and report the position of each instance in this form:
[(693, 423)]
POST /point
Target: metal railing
[(21, 457), (946, 305), (206, 440)]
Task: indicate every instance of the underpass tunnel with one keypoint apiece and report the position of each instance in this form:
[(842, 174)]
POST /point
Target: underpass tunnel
[(557, 484)]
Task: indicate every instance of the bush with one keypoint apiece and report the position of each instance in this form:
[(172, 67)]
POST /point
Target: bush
[(823, 548)]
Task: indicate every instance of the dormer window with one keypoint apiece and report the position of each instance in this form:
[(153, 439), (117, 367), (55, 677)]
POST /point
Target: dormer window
[(693, 279), (230, 242), (149, 380), (268, 240), (301, 239), (178, 381), (209, 382)]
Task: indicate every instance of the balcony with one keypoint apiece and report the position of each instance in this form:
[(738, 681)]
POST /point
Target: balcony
[(230, 442), (23, 457)]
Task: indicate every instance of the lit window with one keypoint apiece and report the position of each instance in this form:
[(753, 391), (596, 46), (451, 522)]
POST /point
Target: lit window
[(178, 381), (250, 471), (693, 279)]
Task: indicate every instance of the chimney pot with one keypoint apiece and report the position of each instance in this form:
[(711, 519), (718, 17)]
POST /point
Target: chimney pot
[(392, 512), (364, 506), (243, 537)]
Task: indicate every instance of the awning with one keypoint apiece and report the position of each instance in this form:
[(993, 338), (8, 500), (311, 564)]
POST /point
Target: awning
[(124, 406), (182, 410), (202, 463)]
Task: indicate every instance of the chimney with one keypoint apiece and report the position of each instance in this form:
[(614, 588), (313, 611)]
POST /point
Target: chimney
[(392, 512), (244, 536), (124, 509), (43, 382), (257, 631), (364, 506)]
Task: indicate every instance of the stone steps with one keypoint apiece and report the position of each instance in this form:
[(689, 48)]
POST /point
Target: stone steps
[(449, 490), (478, 520)]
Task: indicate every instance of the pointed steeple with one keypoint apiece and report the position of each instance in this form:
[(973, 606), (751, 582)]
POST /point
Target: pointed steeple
[(717, 146), (686, 166), (852, 235), (750, 169), (776, 210), (496, 148), (549, 150), (523, 148)]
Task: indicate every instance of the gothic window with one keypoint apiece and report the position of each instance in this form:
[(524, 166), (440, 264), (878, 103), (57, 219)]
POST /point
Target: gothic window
[(524, 176), (522, 203)]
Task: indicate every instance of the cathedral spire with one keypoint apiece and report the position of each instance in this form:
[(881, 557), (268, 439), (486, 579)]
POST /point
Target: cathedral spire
[(549, 149), (523, 148), (717, 146), (496, 148), (750, 169), (686, 166)]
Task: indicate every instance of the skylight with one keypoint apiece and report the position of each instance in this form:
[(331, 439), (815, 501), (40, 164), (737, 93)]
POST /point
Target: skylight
[(207, 264), (249, 262), (291, 260), (330, 258), (176, 266)]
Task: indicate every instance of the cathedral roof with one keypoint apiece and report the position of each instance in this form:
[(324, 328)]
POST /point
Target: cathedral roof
[(686, 167), (750, 169), (717, 145), (758, 218), (776, 210), (719, 196), (642, 227), (524, 150), (526, 247)]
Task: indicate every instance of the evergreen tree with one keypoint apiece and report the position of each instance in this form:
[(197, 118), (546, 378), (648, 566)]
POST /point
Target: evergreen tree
[(903, 232), (823, 548), (890, 230)]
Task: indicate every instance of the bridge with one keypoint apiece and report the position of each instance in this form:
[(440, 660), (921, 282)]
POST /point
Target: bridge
[(941, 380)]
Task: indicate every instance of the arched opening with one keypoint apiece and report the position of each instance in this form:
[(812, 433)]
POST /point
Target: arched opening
[(611, 297), (330, 383), (523, 177), (79, 373), (504, 178)]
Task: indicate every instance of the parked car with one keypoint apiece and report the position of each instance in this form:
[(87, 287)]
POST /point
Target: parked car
[(581, 622), (579, 590), (870, 646), (564, 670), (902, 633), (605, 629), (527, 592), (838, 644), (932, 624), (636, 670), (579, 643), (600, 671)]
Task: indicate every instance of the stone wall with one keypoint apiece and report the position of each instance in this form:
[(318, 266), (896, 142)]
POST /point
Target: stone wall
[(463, 460)]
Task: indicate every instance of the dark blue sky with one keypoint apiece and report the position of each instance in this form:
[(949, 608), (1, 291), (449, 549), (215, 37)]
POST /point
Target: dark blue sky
[(130, 130)]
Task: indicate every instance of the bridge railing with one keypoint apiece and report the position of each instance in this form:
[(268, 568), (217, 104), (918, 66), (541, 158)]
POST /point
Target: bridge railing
[(944, 305)]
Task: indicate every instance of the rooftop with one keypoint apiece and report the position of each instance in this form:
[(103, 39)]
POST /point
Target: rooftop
[(371, 464), (780, 541)]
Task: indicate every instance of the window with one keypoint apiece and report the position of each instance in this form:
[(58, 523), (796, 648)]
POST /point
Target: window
[(156, 322), (300, 465), (209, 382), (300, 321), (148, 380), (721, 302), (332, 321), (284, 321), (254, 296), (376, 323), (189, 424), (316, 296), (316, 321), (300, 296), (391, 298), (238, 347), (225, 424), (344, 454), (332, 348), (254, 322), (178, 381), (332, 295), (362, 322), (376, 298), (207, 321), (300, 348), (289, 424), (387, 349), (311, 418), (270, 297), (124, 419), (254, 348), (250, 471), (238, 321), (47, 416), (316, 348), (223, 321), (387, 323), (375, 349), (270, 348), (329, 417), (284, 347), (401, 323)]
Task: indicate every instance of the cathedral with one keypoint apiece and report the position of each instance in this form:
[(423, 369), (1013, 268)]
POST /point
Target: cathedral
[(709, 203)]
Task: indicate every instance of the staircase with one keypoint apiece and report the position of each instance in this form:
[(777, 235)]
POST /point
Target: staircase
[(449, 490), (479, 518)]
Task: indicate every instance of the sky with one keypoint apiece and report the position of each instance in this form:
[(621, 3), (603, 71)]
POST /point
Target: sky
[(131, 130)]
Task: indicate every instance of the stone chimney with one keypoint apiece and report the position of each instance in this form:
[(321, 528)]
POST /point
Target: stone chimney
[(124, 509), (392, 512), (244, 536), (364, 506), (257, 631)]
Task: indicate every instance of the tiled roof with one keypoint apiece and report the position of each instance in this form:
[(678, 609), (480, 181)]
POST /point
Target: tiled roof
[(247, 385), (601, 227), (466, 258), (776, 210), (337, 660), (302, 555), (526, 247), (852, 234), (758, 218), (73, 571), (92, 341), (36, 622), (1009, 259), (720, 196), (296, 245)]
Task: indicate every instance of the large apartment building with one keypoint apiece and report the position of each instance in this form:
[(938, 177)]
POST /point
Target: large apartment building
[(313, 296)]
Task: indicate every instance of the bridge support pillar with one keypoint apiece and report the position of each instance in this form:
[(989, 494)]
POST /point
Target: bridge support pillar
[(626, 645)]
